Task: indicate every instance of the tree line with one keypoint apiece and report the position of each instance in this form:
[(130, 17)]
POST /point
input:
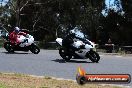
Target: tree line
[(48, 19)]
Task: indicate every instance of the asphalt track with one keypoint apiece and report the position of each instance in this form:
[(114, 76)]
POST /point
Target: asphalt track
[(49, 63)]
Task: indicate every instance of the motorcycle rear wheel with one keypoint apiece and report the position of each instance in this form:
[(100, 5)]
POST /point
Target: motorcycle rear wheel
[(64, 55), (8, 47)]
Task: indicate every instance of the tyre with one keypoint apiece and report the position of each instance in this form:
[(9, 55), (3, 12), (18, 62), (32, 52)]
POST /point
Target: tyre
[(64, 55), (81, 80), (8, 47), (93, 56), (34, 49)]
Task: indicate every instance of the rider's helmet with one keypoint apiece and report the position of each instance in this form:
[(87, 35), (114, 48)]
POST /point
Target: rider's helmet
[(72, 33), (17, 29)]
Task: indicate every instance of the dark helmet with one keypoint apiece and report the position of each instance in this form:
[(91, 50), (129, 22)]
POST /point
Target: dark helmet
[(72, 33)]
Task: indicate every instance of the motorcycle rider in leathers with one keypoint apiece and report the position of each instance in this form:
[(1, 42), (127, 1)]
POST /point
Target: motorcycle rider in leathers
[(68, 41), (14, 35)]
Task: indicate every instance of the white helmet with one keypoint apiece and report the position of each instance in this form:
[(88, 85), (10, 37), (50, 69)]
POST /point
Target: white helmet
[(17, 29)]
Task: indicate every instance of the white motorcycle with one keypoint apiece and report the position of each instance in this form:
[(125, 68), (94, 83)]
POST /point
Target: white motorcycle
[(86, 50), (26, 44)]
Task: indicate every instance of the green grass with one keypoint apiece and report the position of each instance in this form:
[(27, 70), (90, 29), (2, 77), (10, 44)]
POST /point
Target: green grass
[(3, 86)]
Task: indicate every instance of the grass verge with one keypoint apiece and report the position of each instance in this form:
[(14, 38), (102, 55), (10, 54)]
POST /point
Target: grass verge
[(26, 81)]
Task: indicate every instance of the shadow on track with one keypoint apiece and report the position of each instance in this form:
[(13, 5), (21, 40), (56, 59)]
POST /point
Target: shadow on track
[(16, 53), (71, 61)]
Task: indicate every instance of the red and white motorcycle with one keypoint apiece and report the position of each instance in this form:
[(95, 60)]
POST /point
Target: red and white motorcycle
[(26, 44)]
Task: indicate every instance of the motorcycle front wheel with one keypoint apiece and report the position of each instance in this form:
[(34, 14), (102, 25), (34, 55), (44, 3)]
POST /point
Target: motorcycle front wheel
[(64, 55), (93, 56), (34, 49)]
